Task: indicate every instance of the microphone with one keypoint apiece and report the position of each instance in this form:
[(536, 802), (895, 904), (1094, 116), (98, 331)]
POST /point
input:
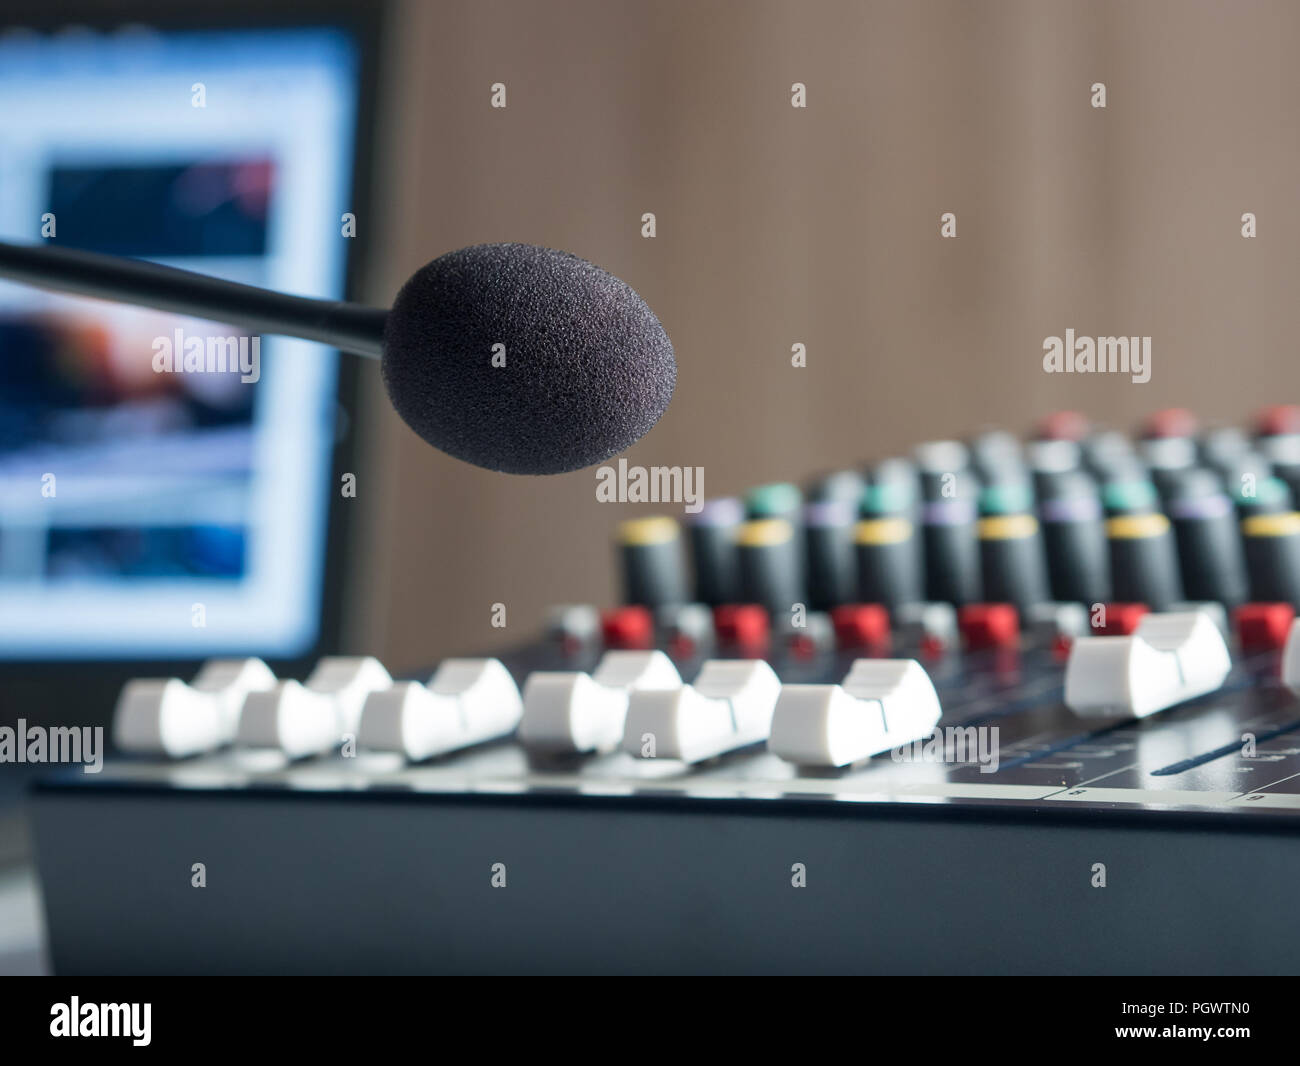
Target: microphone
[(519, 359)]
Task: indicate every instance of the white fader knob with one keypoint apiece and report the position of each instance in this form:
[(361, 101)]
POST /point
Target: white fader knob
[(230, 681), (165, 716), (312, 717), (729, 706), (882, 704), (572, 712), (1169, 659), (468, 701)]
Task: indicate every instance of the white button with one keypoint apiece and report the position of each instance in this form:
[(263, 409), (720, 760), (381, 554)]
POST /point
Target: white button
[(882, 704), (728, 707), (311, 718), (1291, 659), (489, 700), (916, 622), (230, 680), (1049, 622), (636, 670), (289, 717), (1217, 612), (1169, 659), (574, 712), (165, 716), (406, 717), (348, 680), (468, 701), (579, 622)]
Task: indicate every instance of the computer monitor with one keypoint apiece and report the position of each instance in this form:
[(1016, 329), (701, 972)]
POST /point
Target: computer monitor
[(165, 482)]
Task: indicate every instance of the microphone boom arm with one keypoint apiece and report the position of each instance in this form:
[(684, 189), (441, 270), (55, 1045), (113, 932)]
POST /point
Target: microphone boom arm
[(352, 327)]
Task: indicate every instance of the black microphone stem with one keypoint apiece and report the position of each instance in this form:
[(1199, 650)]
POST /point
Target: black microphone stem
[(352, 327)]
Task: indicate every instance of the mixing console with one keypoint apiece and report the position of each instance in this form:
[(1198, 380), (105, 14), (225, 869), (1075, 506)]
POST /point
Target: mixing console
[(906, 719)]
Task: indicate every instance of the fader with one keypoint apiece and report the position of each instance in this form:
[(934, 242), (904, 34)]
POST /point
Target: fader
[(1112, 621)]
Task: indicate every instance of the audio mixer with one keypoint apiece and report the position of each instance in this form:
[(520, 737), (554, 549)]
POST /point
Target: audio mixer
[(1000, 705)]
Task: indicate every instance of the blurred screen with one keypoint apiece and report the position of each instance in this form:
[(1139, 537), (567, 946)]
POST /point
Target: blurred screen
[(164, 480)]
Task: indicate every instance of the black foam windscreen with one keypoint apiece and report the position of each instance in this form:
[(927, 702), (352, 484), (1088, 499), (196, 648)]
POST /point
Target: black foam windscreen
[(585, 369)]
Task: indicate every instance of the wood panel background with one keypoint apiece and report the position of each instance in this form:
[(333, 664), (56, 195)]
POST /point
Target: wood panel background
[(821, 225)]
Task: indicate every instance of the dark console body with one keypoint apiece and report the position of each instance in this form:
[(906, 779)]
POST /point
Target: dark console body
[(612, 865)]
